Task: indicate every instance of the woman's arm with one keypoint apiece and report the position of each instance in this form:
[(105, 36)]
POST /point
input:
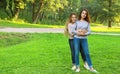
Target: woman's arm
[(84, 32), (74, 31), (88, 30), (70, 30)]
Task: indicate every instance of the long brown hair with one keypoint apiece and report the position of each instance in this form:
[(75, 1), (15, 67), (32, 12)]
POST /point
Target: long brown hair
[(67, 22), (87, 16)]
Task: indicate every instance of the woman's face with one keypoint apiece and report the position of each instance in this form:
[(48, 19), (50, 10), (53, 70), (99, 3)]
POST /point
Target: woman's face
[(73, 18), (83, 14)]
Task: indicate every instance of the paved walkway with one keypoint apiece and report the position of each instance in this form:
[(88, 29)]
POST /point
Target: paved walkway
[(44, 30), (33, 30)]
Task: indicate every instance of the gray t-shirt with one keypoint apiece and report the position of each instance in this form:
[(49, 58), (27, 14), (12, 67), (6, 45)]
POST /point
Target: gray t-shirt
[(83, 25)]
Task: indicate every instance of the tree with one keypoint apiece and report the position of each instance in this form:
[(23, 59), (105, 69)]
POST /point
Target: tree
[(46, 6), (13, 8), (101, 11), (109, 10), (104, 10)]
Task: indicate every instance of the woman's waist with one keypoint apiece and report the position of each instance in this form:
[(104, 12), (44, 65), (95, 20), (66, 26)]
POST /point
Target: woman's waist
[(81, 37)]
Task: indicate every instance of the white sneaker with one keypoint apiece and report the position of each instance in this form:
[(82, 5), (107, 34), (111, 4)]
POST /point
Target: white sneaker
[(86, 67), (74, 67), (77, 70), (95, 71)]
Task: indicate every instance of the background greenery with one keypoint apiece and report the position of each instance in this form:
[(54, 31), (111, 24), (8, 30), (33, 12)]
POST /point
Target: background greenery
[(56, 12)]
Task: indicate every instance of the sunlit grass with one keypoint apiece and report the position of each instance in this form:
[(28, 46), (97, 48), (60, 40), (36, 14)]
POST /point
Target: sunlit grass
[(50, 54), (22, 24), (106, 29)]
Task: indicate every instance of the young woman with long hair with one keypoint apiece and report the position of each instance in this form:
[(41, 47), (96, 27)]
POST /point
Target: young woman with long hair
[(80, 38)]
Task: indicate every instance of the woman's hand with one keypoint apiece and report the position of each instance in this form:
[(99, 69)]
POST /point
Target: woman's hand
[(72, 35), (81, 32), (84, 31)]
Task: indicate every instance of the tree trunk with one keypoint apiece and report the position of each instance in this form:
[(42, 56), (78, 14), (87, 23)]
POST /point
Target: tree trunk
[(109, 24), (109, 19), (17, 11), (8, 8), (38, 13), (41, 16), (95, 18), (33, 11)]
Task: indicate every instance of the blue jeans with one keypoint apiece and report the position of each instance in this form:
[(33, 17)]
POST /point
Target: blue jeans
[(71, 44), (84, 44)]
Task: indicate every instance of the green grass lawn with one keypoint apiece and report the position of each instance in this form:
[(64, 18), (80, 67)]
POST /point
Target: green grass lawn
[(8, 39), (50, 54), (106, 29), (18, 24)]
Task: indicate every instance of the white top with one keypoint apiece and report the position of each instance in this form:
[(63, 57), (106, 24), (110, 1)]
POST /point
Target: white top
[(71, 28)]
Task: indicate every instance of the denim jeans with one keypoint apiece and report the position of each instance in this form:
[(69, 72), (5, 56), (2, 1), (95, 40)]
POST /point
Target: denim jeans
[(84, 44), (71, 44), (82, 53)]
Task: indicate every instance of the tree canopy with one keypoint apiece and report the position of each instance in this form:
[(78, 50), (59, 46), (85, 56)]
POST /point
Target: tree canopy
[(57, 11)]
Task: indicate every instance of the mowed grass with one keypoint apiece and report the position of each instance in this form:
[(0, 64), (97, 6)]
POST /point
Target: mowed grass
[(8, 39), (50, 54), (114, 29), (15, 24)]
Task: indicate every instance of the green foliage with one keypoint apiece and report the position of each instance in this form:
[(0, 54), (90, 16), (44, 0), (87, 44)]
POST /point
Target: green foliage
[(2, 14), (101, 11), (21, 5), (57, 11), (54, 5)]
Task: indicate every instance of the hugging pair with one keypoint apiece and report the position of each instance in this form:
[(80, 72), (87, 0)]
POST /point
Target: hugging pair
[(78, 30)]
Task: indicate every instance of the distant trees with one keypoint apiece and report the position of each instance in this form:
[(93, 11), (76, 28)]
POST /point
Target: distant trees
[(42, 6), (102, 11), (13, 7), (39, 7)]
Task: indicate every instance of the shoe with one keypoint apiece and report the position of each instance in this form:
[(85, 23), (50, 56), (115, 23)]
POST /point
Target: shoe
[(74, 67), (77, 70), (93, 70), (86, 67)]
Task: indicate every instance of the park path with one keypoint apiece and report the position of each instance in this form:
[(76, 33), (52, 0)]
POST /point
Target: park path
[(44, 30)]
